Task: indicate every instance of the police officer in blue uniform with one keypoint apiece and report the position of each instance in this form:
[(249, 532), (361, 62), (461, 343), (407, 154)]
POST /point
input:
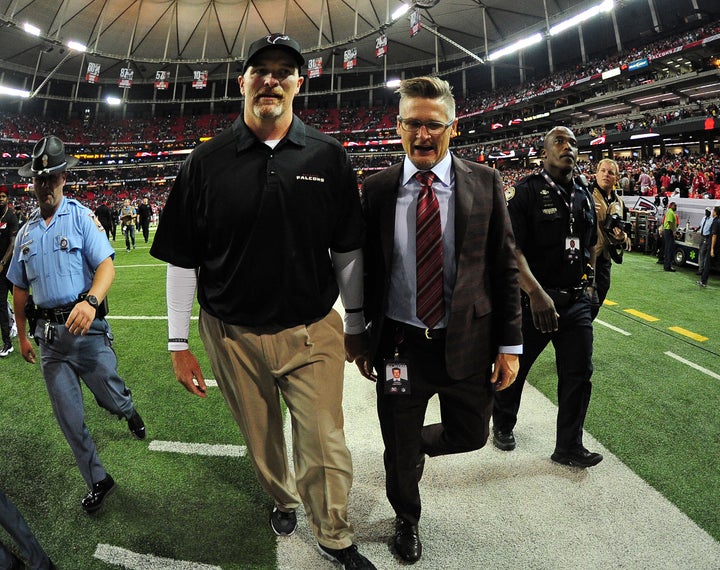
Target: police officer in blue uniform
[(63, 255), (554, 221)]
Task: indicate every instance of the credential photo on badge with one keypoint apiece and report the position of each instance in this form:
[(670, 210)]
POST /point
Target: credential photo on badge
[(397, 379)]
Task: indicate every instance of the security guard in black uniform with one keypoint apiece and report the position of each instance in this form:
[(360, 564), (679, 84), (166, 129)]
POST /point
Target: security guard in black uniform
[(554, 220)]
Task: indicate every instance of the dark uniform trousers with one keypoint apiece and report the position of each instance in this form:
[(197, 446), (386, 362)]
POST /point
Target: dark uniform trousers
[(573, 343), (5, 288), (465, 409)]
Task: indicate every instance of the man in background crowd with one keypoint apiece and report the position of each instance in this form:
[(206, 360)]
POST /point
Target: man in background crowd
[(612, 239), (8, 231), (145, 213)]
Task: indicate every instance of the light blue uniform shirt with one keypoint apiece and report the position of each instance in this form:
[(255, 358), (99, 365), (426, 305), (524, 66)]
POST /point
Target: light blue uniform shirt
[(58, 261), (705, 226)]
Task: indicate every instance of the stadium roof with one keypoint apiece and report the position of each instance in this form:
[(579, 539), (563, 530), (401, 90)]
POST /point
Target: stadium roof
[(176, 35)]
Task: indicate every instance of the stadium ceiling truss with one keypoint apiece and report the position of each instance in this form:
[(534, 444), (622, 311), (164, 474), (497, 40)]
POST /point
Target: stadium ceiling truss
[(180, 35)]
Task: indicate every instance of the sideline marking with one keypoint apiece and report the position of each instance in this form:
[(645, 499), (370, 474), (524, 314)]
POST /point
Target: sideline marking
[(693, 365), (643, 316), (219, 450), (143, 265), (692, 335), (141, 317), (134, 561), (611, 327), (609, 303)]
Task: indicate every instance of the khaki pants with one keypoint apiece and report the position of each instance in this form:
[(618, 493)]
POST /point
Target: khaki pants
[(252, 366)]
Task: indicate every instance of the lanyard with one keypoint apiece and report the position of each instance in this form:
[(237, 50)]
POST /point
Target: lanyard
[(561, 194)]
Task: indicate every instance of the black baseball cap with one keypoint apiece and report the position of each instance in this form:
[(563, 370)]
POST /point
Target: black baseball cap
[(274, 41)]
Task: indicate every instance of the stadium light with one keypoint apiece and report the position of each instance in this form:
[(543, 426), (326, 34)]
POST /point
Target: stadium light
[(400, 11), (30, 29), (113, 100), (606, 6), (392, 83), (77, 46), (517, 46), (14, 92)]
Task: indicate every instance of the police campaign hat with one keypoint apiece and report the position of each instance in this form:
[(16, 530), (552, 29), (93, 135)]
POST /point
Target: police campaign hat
[(274, 41), (48, 157)]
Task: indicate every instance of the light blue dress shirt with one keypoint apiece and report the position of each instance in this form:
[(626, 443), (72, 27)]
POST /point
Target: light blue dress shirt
[(402, 295)]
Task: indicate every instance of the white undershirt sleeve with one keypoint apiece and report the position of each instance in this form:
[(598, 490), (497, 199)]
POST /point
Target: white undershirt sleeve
[(349, 274), (180, 291)]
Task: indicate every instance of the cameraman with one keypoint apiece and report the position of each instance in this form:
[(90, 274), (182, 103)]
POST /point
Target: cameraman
[(612, 236)]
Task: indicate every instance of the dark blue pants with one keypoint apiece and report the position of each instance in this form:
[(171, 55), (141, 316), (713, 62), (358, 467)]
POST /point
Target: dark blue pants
[(90, 357), (573, 344)]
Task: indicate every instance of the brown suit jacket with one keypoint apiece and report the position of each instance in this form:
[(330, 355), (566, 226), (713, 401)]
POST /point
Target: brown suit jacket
[(485, 309)]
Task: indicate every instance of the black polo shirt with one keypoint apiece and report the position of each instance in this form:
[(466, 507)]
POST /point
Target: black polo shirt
[(540, 220), (259, 224)]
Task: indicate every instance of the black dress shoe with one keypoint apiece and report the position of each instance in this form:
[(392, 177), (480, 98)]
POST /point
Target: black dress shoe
[(504, 440), (136, 425), (94, 499), (407, 541), (578, 458), (671, 269)]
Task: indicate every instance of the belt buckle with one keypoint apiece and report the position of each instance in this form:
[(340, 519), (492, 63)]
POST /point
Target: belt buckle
[(428, 334)]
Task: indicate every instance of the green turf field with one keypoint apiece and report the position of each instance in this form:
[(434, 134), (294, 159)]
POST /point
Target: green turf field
[(655, 412)]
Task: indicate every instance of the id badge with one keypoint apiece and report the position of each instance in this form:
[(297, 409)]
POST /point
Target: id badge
[(572, 249), (397, 380)]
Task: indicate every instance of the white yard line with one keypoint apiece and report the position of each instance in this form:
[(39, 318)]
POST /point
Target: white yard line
[(693, 365), (198, 448), (134, 561)]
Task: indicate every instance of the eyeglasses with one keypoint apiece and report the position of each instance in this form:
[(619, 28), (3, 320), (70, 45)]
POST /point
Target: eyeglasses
[(432, 127)]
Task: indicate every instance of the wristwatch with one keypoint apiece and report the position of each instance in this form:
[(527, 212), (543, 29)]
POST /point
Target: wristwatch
[(92, 300)]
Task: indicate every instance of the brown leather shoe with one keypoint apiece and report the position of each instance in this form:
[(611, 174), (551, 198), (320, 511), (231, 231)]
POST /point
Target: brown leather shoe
[(407, 541)]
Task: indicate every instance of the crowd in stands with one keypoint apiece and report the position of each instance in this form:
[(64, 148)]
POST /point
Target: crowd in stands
[(488, 100), (142, 164)]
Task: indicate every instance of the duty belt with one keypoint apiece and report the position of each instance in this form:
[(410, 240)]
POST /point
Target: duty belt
[(56, 314), (566, 297)]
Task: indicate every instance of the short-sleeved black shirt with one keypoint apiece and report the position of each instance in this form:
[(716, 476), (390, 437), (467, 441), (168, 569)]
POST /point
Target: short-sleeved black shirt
[(8, 229), (259, 224), (540, 221)]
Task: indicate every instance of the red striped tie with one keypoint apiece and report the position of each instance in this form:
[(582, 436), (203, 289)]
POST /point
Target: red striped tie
[(430, 307)]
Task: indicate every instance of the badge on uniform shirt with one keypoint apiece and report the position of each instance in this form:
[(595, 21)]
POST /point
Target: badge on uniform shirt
[(63, 243), (397, 380)]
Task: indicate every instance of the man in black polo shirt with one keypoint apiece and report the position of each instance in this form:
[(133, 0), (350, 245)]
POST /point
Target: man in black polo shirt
[(249, 222)]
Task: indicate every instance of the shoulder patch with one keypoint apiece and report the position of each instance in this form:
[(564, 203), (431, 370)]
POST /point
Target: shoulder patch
[(94, 218), (509, 193)]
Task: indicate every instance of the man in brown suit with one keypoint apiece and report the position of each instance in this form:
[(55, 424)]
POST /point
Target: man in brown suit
[(474, 318)]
